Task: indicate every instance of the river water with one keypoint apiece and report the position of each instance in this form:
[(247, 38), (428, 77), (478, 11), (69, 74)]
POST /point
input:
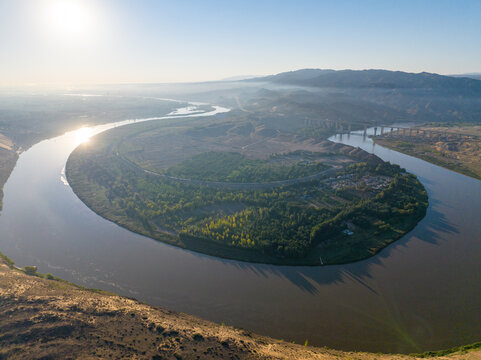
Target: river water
[(420, 293)]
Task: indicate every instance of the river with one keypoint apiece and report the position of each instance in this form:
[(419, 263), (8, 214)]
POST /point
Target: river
[(420, 293)]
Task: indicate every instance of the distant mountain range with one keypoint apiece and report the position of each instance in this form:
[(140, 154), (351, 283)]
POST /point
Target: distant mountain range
[(240, 77), (476, 76), (366, 96), (375, 79)]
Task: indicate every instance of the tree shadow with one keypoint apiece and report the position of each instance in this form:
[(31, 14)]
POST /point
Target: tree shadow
[(433, 229)]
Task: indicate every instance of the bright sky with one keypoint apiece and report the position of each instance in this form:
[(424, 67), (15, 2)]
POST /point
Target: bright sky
[(125, 41)]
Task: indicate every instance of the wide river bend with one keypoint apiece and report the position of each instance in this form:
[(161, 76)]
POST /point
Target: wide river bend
[(420, 293)]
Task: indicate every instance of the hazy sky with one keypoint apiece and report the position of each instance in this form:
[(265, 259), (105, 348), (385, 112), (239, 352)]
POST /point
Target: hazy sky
[(122, 41)]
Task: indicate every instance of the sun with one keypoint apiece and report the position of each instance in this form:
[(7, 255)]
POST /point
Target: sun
[(69, 18)]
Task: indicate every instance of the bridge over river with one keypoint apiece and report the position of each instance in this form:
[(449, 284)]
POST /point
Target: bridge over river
[(416, 133)]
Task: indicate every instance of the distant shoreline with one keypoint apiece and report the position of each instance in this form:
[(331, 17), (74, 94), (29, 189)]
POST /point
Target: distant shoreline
[(459, 156)]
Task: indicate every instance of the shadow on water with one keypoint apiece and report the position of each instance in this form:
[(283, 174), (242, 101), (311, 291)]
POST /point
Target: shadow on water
[(436, 225), (310, 278), (425, 181)]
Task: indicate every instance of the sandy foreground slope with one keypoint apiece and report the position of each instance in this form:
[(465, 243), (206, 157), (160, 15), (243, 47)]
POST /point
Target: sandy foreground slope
[(51, 319)]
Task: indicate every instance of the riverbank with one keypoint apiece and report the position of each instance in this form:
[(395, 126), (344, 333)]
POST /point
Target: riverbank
[(50, 318), (8, 159), (457, 148)]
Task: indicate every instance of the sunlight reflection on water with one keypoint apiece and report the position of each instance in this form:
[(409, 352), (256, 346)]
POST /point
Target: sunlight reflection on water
[(83, 135)]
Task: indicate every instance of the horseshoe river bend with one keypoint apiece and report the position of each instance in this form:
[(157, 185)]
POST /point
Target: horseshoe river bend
[(420, 293)]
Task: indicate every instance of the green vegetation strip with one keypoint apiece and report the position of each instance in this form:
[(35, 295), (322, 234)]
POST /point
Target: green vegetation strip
[(459, 349), (233, 167)]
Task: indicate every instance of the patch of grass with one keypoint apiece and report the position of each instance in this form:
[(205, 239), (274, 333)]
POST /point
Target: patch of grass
[(405, 145), (32, 271), (234, 167), (9, 262), (56, 281), (459, 349)]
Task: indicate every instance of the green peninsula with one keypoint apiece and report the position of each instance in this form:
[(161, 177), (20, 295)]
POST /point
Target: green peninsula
[(240, 192)]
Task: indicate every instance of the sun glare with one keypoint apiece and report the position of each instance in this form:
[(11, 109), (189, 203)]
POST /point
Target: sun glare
[(83, 135), (70, 18)]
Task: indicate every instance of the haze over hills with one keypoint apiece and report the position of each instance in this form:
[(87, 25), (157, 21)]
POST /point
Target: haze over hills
[(476, 76), (376, 96), (381, 79), (239, 77)]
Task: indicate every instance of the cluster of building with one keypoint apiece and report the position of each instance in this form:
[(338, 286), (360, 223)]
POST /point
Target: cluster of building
[(377, 183)]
